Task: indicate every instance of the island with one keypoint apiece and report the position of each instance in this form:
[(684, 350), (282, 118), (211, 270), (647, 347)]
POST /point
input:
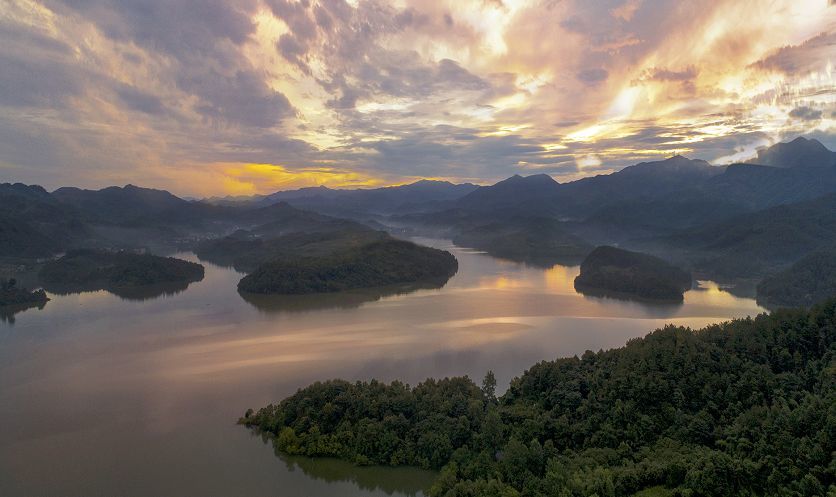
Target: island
[(810, 280), (11, 294), (611, 271), (643, 419), (377, 264), (14, 299), (118, 272)]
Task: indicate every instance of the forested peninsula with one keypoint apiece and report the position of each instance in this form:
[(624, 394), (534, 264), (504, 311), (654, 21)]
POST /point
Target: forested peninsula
[(747, 407)]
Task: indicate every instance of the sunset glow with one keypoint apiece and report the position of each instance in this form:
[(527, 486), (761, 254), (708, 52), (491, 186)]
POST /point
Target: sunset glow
[(258, 95)]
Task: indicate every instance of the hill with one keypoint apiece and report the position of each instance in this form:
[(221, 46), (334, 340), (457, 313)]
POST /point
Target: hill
[(118, 204), (420, 196), (33, 224), (639, 183), (759, 243), (532, 194), (537, 240), (376, 264), (660, 197), (89, 270), (810, 280), (621, 273), (740, 408), (292, 234)]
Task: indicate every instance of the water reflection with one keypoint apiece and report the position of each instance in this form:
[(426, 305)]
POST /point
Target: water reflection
[(7, 312), (339, 300), (140, 397), (401, 481), (411, 482), (136, 293)]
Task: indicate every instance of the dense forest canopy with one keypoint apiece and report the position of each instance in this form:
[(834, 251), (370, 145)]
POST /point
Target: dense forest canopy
[(375, 264), (746, 407), (810, 280), (614, 271), (118, 269)]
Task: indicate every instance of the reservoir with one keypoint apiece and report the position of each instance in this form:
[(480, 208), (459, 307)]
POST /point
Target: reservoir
[(105, 396)]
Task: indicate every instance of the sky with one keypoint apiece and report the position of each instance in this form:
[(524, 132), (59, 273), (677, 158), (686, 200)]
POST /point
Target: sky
[(214, 97)]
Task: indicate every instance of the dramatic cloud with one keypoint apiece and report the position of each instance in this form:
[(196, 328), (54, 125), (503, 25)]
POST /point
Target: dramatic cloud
[(806, 114), (212, 97)]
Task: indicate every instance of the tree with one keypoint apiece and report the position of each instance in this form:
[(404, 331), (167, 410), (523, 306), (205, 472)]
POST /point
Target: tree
[(489, 386)]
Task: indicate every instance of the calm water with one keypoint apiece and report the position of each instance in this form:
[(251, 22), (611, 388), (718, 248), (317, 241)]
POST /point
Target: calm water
[(105, 396)]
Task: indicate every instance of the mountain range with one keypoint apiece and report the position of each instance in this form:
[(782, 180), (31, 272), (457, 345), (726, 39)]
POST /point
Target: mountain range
[(740, 219)]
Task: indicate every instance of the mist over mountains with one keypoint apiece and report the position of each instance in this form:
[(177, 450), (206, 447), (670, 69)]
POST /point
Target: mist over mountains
[(741, 220)]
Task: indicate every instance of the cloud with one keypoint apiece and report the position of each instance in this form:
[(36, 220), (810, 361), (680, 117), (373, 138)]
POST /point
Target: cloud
[(243, 97), (31, 82), (593, 76), (627, 10), (811, 55), (662, 74), (806, 114), (140, 101), (175, 93)]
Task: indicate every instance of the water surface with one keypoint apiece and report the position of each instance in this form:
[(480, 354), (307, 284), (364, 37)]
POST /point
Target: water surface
[(101, 396)]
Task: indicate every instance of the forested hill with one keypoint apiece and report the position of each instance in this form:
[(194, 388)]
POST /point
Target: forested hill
[(617, 272), (376, 264), (747, 408)]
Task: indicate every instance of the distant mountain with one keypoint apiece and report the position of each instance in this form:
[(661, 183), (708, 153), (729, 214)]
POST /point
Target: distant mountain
[(643, 182), (664, 194), (801, 152), (667, 201), (33, 224), (37, 224), (739, 189), (286, 232), (536, 240), (759, 243), (758, 187), (421, 196), (542, 195), (118, 204), (535, 194)]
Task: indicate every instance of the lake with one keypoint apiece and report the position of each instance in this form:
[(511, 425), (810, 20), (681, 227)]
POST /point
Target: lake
[(101, 396)]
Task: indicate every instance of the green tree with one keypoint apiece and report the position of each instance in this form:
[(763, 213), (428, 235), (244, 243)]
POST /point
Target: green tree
[(489, 386)]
